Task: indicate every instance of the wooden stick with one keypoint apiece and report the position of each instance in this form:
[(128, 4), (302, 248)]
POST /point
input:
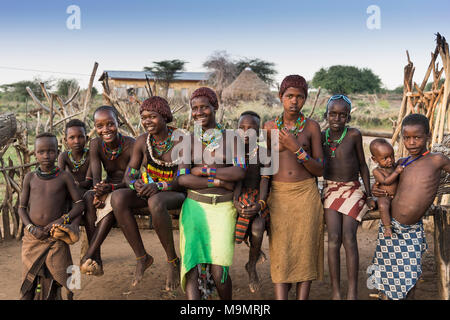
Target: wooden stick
[(68, 117), (52, 99), (39, 104), (89, 89), (315, 102), (18, 167)]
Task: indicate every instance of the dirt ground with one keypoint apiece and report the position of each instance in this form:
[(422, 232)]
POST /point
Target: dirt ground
[(119, 265)]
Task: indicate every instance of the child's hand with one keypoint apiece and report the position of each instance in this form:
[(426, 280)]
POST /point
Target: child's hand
[(39, 233), (370, 203), (387, 232), (102, 188), (399, 169), (250, 211), (99, 201), (288, 140), (138, 185), (148, 190), (377, 191)]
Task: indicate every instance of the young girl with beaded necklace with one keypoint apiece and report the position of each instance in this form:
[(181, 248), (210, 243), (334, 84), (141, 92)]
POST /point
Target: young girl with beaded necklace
[(296, 213), (344, 202), (156, 188), (112, 151)]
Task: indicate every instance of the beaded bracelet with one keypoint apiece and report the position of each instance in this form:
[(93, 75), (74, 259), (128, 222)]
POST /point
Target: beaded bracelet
[(212, 172), (133, 173), (66, 219), (112, 186), (164, 186), (183, 171), (29, 226), (302, 155), (205, 170), (239, 162), (211, 182), (131, 185)]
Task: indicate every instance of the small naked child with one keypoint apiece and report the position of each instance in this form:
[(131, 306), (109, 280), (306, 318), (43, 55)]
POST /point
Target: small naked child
[(386, 178)]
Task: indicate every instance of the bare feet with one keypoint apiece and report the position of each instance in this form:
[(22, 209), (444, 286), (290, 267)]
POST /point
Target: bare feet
[(95, 269), (143, 263), (85, 266), (173, 275), (66, 233), (91, 268), (254, 283)]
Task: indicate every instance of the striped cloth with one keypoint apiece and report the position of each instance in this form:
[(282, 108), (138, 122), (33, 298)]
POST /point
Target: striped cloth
[(345, 197), (248, 197), (397, 262)]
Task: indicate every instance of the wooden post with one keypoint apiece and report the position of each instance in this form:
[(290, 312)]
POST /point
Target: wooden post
[(88, 92), (442, 251)]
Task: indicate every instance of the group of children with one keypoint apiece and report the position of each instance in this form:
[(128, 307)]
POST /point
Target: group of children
[(226, 204)]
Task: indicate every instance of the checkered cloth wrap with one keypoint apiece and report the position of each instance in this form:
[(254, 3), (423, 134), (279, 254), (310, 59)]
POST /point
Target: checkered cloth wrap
[(397, 263)]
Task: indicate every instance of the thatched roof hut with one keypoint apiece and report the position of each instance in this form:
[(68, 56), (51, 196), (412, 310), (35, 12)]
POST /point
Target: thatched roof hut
[(247, 87)]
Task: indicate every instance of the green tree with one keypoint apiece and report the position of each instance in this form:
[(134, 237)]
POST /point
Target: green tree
[(17, 91), (165, 72), (347, 79), (264, 69), (65, 86)]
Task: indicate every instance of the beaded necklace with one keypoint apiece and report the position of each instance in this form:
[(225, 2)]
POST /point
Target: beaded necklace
[(210, 140), (157, 161), (299, 124), (411, 161), (112, 154), (47, 175), (78, 164), (163, 146), (336, 143)]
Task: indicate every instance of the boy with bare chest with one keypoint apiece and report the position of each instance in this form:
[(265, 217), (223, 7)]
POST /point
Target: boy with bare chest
[(251, 198), (75, 161), (343, 200), (42, 205), (397, 264)]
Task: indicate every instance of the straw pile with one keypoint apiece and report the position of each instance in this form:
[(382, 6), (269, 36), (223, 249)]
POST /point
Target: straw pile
[(247, 87)]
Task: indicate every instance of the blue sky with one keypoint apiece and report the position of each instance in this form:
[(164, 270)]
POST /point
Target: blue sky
[(298, 36)]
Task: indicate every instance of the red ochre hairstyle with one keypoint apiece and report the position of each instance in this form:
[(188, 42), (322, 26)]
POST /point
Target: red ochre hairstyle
[(294, 81), (159, 105), (208, 93)]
